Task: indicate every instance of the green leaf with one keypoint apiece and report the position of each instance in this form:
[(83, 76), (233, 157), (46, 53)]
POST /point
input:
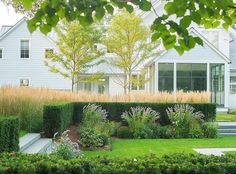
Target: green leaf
[(196, 17), (100, 12), (179, 49), (198, 40), (185, 21), (145, 5), (109, 9)]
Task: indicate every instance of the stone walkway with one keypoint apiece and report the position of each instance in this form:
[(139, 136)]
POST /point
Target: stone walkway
[(214, 151)]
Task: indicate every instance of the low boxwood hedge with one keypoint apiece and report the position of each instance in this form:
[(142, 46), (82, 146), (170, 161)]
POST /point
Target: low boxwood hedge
[(57, 117), (9, 134), (11, 163)]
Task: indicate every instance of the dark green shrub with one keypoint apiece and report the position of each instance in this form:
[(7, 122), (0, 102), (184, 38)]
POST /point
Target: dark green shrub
[(9, 134), (209, 130), (11, 163), (57, 118), (89, 138), (163, 132), (123, 132)]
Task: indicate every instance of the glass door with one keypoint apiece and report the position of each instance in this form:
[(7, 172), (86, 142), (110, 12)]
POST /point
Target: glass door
[(217, 84)]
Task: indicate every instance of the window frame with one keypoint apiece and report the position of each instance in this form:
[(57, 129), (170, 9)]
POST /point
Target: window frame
[(24, 78), (231, 84), (25, 39)]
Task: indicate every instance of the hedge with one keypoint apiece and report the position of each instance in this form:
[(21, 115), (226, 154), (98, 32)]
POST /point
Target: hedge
[(115, 110), (9, 134), (171, 164), (56, 118)]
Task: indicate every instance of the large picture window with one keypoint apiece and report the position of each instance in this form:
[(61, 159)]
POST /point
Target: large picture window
[(233, 82), (24, 49), (166, 77), (192, 77)]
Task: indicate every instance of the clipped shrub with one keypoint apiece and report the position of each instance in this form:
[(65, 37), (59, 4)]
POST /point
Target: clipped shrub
[(57, 118), (139, 121), (186, 121), (116, 109), (210, 130), (9, 134), (65, 149), (123, 132), (167, 164)]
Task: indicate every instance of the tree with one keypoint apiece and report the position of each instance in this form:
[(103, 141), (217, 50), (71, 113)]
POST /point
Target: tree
[(171, 27), (76, 52), (129, 40)]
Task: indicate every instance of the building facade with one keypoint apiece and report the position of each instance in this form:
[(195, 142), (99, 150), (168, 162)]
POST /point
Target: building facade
[(209, 68)]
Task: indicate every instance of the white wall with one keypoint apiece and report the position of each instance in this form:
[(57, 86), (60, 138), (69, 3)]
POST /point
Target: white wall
[(232, 100), (114, 85), (12, 67)]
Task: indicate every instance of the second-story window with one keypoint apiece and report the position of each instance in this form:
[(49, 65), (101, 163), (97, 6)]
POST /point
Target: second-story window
[(24, 49), (1, 52)]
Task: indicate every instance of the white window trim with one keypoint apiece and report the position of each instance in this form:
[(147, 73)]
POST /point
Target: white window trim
[(24, 77), (20, 49), (1, 48)]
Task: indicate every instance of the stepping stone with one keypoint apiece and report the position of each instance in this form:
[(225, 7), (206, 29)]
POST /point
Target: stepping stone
[(28, 140), (213, 151)]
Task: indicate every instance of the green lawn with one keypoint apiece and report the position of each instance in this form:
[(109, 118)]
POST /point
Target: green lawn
[(134, 148), (22, 133), (225, 117)]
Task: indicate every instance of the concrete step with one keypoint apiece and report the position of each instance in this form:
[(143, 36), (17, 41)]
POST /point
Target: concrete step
[(27, 140), (227, 134), (43, 145), (226, 125), (227, 130)]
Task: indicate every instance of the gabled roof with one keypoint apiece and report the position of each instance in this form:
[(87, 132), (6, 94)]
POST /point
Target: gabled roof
[(12, 28), (4, 29), (193, 30)]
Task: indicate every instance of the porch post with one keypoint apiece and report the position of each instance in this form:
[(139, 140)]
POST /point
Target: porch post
[(175, 77), (156, 77), (227, 85), (208, 78)]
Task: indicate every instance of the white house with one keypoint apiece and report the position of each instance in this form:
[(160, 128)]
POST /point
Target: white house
[(209, 68)]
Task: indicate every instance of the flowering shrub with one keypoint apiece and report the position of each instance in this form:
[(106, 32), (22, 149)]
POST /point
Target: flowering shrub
[(140, 121), (186, 121), (95, 129), (66, 149)]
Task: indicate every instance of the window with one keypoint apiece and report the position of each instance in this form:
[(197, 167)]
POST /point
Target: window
[(48, 52), (166, 77), (1, 52), (24, 82), (233, 82), (137, 82), (24, 49), (192, 77)]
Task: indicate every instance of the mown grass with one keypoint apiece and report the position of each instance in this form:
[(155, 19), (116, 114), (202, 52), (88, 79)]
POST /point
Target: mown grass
[(225, 117), (134, 148)]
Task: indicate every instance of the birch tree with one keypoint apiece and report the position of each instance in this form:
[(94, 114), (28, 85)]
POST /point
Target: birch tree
[(76, 52)]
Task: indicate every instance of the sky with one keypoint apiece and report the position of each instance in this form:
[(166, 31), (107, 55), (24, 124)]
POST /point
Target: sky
[(8, 16)]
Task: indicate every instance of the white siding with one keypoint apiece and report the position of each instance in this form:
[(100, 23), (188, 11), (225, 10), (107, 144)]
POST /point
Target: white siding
[(114, 85), (12, 67)]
